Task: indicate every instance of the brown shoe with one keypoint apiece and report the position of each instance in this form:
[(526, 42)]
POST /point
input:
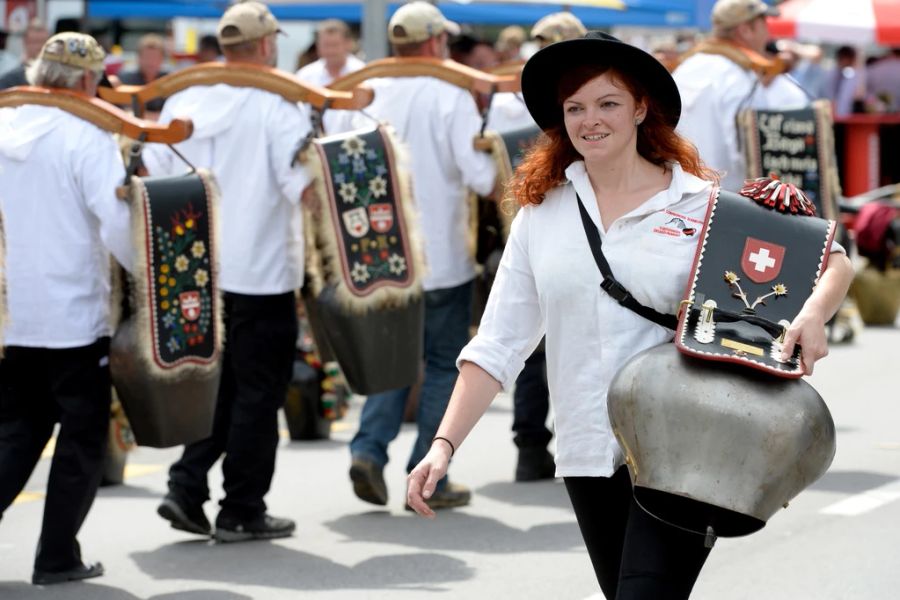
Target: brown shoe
[(452, 496), (368, 481)]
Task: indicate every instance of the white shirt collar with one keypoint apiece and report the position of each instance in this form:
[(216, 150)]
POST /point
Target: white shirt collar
[(683, 184)]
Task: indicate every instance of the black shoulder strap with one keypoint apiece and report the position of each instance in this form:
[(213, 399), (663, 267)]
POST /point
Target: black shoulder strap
[(610, 285)]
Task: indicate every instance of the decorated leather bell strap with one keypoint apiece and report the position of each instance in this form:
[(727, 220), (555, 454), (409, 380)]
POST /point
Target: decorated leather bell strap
[(370, 250), (755, 267), (177, 303)]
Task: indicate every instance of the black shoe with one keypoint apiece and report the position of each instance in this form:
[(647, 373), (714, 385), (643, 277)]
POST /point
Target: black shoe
[(453, 495), (264, 527), (368, 481), (535, 463), (73, 574), (184, 516)]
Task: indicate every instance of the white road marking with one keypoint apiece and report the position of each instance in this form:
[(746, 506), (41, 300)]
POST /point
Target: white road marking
[(866, 501)]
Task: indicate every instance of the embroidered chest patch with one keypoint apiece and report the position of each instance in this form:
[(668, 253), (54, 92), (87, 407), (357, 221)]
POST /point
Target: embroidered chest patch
[(673, 224)]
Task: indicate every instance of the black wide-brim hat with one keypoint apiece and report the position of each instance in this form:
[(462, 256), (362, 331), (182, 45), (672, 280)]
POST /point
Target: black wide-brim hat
[(542, 72)]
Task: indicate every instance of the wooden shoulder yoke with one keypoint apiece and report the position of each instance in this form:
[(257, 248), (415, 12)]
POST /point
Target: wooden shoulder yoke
[(240, 75), (100, 113), (447, 70)]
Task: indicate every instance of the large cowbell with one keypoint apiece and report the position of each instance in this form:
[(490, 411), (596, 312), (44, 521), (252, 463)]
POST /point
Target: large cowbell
[(717, 445), (364, 263), (718, 430), (166, 356)]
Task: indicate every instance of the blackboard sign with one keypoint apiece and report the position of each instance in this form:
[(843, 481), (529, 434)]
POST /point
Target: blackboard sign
[(796, 146)]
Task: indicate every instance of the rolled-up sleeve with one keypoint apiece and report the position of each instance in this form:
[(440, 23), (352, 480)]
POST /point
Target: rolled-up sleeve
[(512, 324)]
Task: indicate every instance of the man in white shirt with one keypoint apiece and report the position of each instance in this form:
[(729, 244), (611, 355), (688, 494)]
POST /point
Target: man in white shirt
[(438, 121), (248, 138), (714, 87), (334, 45), (58, 179)]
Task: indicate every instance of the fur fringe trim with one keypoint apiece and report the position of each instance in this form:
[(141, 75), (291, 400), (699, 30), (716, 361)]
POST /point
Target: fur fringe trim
[(322, 245), (139, 292)]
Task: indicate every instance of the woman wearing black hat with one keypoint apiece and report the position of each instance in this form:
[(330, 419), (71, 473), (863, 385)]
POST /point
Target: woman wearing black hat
[(610, 151)]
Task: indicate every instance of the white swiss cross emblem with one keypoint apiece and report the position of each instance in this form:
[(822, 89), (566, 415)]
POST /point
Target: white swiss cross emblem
[(761, 261)]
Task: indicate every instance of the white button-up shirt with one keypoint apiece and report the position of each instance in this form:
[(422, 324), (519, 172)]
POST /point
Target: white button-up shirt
[(58, 179), (439, 122), (248, 138), (713, 89), (549, 283)]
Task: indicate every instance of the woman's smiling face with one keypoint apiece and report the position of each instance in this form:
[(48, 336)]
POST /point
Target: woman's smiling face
[(600, 119)]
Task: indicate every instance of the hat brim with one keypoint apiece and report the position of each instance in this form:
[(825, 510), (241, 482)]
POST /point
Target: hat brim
[(543, 71), (452, 27)]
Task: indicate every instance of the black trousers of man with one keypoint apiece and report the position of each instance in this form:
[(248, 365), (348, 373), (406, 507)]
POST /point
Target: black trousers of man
[(635, 555), (260, 345), (38, 388)]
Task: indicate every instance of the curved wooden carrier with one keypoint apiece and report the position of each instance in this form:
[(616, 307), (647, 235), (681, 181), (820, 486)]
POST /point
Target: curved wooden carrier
[(100, 113), (241, 75), (448, 70)]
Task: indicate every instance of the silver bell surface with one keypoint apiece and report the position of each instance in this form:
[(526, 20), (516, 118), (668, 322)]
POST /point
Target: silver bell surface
[(715, 445)]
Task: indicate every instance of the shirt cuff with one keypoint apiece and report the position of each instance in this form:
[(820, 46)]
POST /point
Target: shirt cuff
[(498, 361)]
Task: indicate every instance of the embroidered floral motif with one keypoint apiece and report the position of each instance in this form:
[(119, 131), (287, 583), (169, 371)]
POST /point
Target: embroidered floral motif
[(182, 291), (368, 214), (360, 273)]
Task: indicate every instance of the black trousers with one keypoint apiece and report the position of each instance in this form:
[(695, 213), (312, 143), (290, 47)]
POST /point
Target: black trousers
[(531, 403), (635, 556), (38, 388), (260, 345)]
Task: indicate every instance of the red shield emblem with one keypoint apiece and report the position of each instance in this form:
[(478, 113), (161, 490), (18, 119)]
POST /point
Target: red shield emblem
[(381, 216), (761, 261), (190, 305)]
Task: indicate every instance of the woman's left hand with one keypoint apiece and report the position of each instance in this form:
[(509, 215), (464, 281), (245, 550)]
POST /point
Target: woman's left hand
[(808, 330)]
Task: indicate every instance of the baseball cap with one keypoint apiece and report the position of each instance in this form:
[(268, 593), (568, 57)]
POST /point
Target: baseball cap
[(511, 36), (731, 13), (557, 27), (417, 22), (74, 49), (245, 22)]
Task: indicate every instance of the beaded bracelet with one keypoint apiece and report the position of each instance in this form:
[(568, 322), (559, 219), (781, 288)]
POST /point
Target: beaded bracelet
[(452, 447)]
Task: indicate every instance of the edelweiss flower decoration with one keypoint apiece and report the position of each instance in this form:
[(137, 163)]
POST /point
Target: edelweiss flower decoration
[(354, 146), (779, 289), (378, 186), (397, 264), (360, 273)]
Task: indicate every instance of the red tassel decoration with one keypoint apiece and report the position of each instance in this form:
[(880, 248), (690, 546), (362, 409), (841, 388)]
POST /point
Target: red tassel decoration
[(775, 194)]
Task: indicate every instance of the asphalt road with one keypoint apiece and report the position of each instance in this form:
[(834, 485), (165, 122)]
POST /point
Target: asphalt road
[(836, 540)]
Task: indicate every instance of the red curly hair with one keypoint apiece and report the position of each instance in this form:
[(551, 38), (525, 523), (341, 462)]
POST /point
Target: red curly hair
[(545, 163)]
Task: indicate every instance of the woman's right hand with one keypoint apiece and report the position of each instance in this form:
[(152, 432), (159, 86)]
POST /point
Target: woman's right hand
[(423, 480)]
